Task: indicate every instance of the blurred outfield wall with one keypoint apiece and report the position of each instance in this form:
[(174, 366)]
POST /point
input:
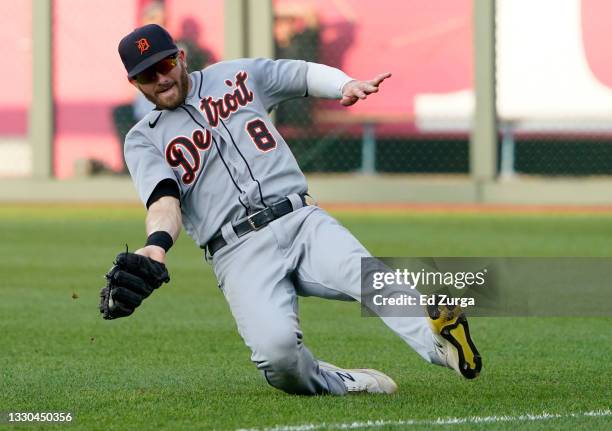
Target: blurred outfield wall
[(552, 77)]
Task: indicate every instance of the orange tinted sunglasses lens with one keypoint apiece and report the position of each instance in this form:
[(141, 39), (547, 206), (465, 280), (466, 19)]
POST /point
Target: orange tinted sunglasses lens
[(164, 66)]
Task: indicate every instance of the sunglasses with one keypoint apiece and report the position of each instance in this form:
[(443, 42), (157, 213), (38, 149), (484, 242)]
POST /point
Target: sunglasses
[(164, 66)]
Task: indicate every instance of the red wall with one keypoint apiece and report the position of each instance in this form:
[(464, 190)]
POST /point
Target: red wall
[(15, 67), (427, 45), (596, 38)]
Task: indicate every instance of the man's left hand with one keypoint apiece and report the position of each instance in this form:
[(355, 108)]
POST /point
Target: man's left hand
[(356, 90), (132, 278)]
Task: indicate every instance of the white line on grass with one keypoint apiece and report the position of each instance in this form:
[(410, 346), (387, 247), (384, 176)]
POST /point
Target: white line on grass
[(431, 422)]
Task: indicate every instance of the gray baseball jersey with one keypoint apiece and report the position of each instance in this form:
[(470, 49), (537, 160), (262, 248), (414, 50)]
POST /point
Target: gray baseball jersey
[(220, 145)]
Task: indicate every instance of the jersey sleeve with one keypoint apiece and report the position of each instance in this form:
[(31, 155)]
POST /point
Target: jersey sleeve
[(146, 164), (279, 80)]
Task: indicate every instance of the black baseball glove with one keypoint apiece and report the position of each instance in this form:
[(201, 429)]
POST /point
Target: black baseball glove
[(131, 279)]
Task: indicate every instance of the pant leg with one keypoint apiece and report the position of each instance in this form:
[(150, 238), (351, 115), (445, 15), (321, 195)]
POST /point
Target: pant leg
[(332, 260), (255, 279)]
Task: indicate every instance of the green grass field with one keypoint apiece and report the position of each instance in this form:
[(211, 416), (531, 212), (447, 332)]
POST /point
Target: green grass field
[(178, 362)]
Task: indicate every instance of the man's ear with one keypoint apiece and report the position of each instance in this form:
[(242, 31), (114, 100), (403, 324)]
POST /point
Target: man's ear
[(182, 56)]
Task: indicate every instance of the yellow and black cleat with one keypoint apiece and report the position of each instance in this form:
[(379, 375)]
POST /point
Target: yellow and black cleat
[(453, 341)]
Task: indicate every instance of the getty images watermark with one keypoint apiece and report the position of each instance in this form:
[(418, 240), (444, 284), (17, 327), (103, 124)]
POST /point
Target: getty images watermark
[(422, 279), (395, 287)]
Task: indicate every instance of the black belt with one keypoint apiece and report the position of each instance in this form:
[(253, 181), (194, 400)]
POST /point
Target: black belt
[(253, 222)]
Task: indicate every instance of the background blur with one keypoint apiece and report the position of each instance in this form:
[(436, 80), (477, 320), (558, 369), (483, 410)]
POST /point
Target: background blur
[(506, 101)]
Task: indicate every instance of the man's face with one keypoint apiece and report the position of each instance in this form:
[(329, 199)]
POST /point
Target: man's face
[(169, 90)]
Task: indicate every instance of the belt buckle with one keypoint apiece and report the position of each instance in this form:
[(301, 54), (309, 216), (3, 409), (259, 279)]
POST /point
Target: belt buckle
[(252, 223)]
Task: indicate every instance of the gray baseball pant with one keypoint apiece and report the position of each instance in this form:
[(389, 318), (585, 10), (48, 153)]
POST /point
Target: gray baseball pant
[(307, 253)]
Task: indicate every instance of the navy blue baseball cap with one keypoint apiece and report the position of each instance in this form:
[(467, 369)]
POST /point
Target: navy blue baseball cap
[(144, 47)]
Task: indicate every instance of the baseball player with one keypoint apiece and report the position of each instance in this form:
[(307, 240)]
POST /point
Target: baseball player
[(210, 159)]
